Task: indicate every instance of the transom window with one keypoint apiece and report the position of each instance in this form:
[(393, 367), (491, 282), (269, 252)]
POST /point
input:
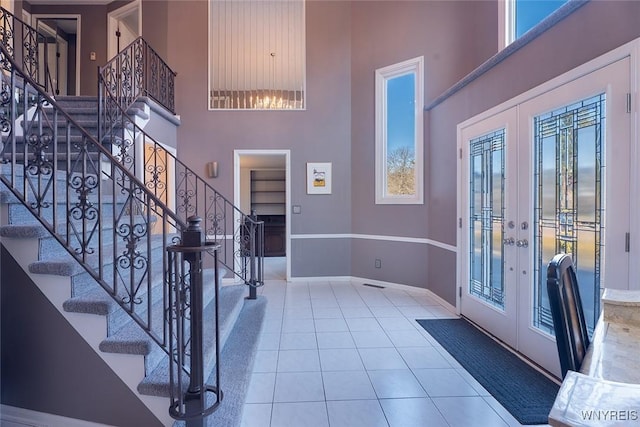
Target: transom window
[(399, 129)]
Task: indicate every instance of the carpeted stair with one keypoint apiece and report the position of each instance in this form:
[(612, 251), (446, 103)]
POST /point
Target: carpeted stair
[(240, 319), (84, 111)]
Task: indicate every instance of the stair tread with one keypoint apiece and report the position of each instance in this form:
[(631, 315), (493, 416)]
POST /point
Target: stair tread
[(132, 339), (64, 264), (29, 231), (93, 303), (99, 298), (124, 334), (156, 383)]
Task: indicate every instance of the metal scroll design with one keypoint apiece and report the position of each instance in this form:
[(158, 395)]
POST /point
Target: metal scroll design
[(26, 46), (88, 199), (139, 71), (134, 73)]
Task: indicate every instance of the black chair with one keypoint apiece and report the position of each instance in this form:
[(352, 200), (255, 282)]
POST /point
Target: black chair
[(569, 322)]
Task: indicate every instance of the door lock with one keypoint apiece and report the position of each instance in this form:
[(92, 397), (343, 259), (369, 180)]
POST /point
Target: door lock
[(522, 243)]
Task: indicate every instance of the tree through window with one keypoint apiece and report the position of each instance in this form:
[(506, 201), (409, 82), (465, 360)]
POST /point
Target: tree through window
[(399, 142)]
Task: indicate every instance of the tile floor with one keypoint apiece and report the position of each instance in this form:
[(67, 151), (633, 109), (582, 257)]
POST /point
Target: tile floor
[(342, 354)]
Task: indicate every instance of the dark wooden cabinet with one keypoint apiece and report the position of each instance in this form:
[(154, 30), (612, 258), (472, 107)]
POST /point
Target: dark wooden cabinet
[(268, 200), (274, 235), (274, 241)]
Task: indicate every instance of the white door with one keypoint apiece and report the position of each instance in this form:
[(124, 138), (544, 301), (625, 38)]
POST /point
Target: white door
[(124, 26), (564, 187), (488, 174)]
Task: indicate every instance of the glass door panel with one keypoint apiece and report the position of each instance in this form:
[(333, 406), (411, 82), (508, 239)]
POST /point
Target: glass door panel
[(549, 175), (574, 151), (487, 217), (568, 171), (489, 294)]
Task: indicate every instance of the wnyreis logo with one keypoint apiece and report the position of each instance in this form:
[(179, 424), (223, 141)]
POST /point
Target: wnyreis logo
[(609, 415)]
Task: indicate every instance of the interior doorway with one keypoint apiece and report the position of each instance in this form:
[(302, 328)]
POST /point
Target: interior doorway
[(63, 47), (124, 25), (262, 185)]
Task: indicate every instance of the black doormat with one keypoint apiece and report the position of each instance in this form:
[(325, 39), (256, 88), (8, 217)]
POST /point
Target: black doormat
[(526, 393)]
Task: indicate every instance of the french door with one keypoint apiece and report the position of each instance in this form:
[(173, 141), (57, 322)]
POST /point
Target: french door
[(548, 175)]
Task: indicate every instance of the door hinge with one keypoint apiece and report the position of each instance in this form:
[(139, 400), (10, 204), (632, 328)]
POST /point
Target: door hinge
[(627, 241), (628, 102), (460, 152), (460, 291), (459, 222)]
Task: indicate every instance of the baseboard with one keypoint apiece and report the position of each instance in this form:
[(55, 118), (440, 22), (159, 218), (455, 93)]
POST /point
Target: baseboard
[(14, 416)]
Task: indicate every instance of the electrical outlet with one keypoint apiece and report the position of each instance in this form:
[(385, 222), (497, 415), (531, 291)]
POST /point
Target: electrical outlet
[(378, 263)]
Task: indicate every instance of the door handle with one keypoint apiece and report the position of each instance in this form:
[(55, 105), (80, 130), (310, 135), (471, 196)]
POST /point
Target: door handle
[(522, 243), (510, 241)]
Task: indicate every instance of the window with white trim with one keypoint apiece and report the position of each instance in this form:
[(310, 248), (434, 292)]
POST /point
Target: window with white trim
[(399, 132), (519, 16)]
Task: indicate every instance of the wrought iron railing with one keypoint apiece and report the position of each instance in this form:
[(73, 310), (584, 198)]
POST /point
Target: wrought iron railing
[(111, 203), (178, 186), (93, 206), (28, 47), (118, 231), (138, 70)]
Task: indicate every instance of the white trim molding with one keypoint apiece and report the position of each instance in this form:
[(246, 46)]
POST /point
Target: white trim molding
[(419, 240)]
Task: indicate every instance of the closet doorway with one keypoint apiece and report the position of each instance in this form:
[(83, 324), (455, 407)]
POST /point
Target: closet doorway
[(262, 185)]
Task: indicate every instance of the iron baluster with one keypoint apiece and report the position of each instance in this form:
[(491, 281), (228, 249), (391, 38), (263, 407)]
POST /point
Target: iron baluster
[(253, 229)]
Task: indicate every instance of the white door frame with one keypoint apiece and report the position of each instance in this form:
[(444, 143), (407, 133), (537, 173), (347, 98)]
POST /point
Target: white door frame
[(112, 24), (78, 19), (580, 75), (237, 155), (631, 49)]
